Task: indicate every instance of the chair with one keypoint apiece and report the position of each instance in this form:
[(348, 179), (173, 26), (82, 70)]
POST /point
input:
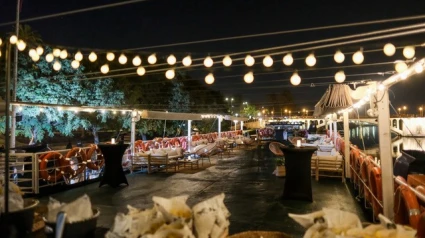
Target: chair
[(275, 148), (206, 152)]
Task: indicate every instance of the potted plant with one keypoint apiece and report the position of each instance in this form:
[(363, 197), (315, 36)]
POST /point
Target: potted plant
[(280, 170)]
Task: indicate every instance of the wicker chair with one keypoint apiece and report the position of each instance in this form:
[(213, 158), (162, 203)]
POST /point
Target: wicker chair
[(275, 148)]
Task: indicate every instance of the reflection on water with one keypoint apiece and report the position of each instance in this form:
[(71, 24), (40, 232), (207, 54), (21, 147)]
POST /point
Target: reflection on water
[(370, 142)]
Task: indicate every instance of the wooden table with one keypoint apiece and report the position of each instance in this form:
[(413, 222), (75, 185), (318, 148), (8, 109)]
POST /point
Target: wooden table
[(298, 173), (113, 174)]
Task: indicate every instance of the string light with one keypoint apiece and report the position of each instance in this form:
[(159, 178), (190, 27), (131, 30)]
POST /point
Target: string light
[(340, 76), (49, 57), (187, 61), (209, 79), (310, 60), (419, 68), (1, 41), (141, 71), (288, 60), (137, 61), (295, 79), (122, 59), (13, 39), (227, 61), (75, 64), (32, 52), (56, 52), (35, 57), (152, 59), (40, 50), (92, 57), (208, 62), (389, 49), (268, 61), (170, 74), (400, 66), (249, 60), (409, 52), (63, 54), (21, 45), (78, 56), (104, 69), (248, 77), (57, 66), (171, 60), (110, 56), (358, 57), (339, 57)]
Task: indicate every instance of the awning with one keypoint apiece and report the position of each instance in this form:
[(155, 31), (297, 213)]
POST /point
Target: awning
[(170, 115)]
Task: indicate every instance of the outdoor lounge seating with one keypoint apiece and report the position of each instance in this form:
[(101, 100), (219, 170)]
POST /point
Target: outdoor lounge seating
[(328, 166)]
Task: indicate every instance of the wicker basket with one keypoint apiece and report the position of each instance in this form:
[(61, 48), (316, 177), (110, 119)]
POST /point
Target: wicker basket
[(258, 234)]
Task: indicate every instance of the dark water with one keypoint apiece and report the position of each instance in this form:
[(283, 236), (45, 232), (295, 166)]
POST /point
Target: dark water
[(367, 138)]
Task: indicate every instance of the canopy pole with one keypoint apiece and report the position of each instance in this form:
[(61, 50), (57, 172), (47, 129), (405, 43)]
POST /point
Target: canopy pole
[(330, 128), (220, 118), (241, 125), (385, 152), (189, 133), (335, 132), (347, 145), (135, 117)]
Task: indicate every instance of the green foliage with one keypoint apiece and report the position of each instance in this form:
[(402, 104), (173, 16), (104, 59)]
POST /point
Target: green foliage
[(250, 111), (280, 161)]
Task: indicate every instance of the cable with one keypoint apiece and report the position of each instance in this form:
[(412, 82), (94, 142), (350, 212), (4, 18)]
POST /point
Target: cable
[(282, 32), (74, 12)]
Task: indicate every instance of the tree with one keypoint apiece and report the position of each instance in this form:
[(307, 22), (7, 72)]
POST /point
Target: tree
[(250, 111)]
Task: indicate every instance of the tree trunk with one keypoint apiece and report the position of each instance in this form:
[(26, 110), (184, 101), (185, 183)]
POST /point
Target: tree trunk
[(33, 137), (95, 135)]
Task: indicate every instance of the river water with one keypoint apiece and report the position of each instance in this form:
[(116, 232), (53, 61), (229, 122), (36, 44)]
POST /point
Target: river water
[(366, 138)]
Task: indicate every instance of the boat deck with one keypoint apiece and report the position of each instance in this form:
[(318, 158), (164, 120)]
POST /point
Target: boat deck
[(252, 193)]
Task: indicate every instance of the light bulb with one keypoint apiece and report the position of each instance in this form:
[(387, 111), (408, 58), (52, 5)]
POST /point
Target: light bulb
[(288, 60), (63, 54), (1, 41), (21, 45), (227, 61), (339, 57), (49, 57), (409, 52), (40, 50), (75, 64), (32, 52), (56, 52), (122, 59), (358, 57), (400, 66), (169, 74), (57, 66), (141, 71), (268, 61), (35, 57), (249, 60), (92, 57), (248, 77), (13, 39), (78, 56), (110, 56), (187, 61), (419, 68), (104, 69), (208, 62), (171, 60), (340, 76), (137, 61), (310, 60), (389, 49), (295, 79), (152, 59), (209, 79)]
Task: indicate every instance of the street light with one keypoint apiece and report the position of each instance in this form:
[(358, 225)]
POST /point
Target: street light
[(289, 114), (404, 110), (286, 111), (399, 109), (421, 111)]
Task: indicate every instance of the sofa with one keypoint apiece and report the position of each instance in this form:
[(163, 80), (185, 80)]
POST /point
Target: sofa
[(164, 157), (328, 165)]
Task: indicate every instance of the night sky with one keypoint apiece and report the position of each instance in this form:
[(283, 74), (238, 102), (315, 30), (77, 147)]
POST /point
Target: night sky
[(157, 22)]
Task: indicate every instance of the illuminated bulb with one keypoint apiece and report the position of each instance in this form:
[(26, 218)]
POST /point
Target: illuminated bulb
[(169, 74), (141, 71), (381, 87), (104, 69), (339, 57), (340, 76), (389, 49), (59, 108), (152, 59), (403, 75), (409, 52), (295, 79), (171, 60), (137, 61), (249, 60), (248, 77), (187, 61), (63, 54), (209, 79), (40, 50), (123, 112), (268, 61), (419, 68), (41, 109), (49, 57), (32, 52), (110, 56), (288, 60), (13, 39), (56, 52), (114, 112), (35, 57), (310, 60), (208, 62), (0, 53), (78, 56), (122, 59), (358, 57), (227, 61), (92, 57), (1, 41), (21, 45), (57, 65), (400, 66), (75, 64)]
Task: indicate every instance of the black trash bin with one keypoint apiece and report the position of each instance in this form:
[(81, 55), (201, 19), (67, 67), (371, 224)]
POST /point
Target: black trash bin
[(410, 162)]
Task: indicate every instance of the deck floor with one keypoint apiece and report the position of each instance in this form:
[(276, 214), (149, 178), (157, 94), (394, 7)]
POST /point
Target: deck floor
[(252, 193)]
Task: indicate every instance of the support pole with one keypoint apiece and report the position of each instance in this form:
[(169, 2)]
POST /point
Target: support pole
[(330, 128), (220, 118), (335, 132), (189, 134), (385, 152), (133, 135), (7, 131), (15, 78), (241, 125), (347, 145)]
